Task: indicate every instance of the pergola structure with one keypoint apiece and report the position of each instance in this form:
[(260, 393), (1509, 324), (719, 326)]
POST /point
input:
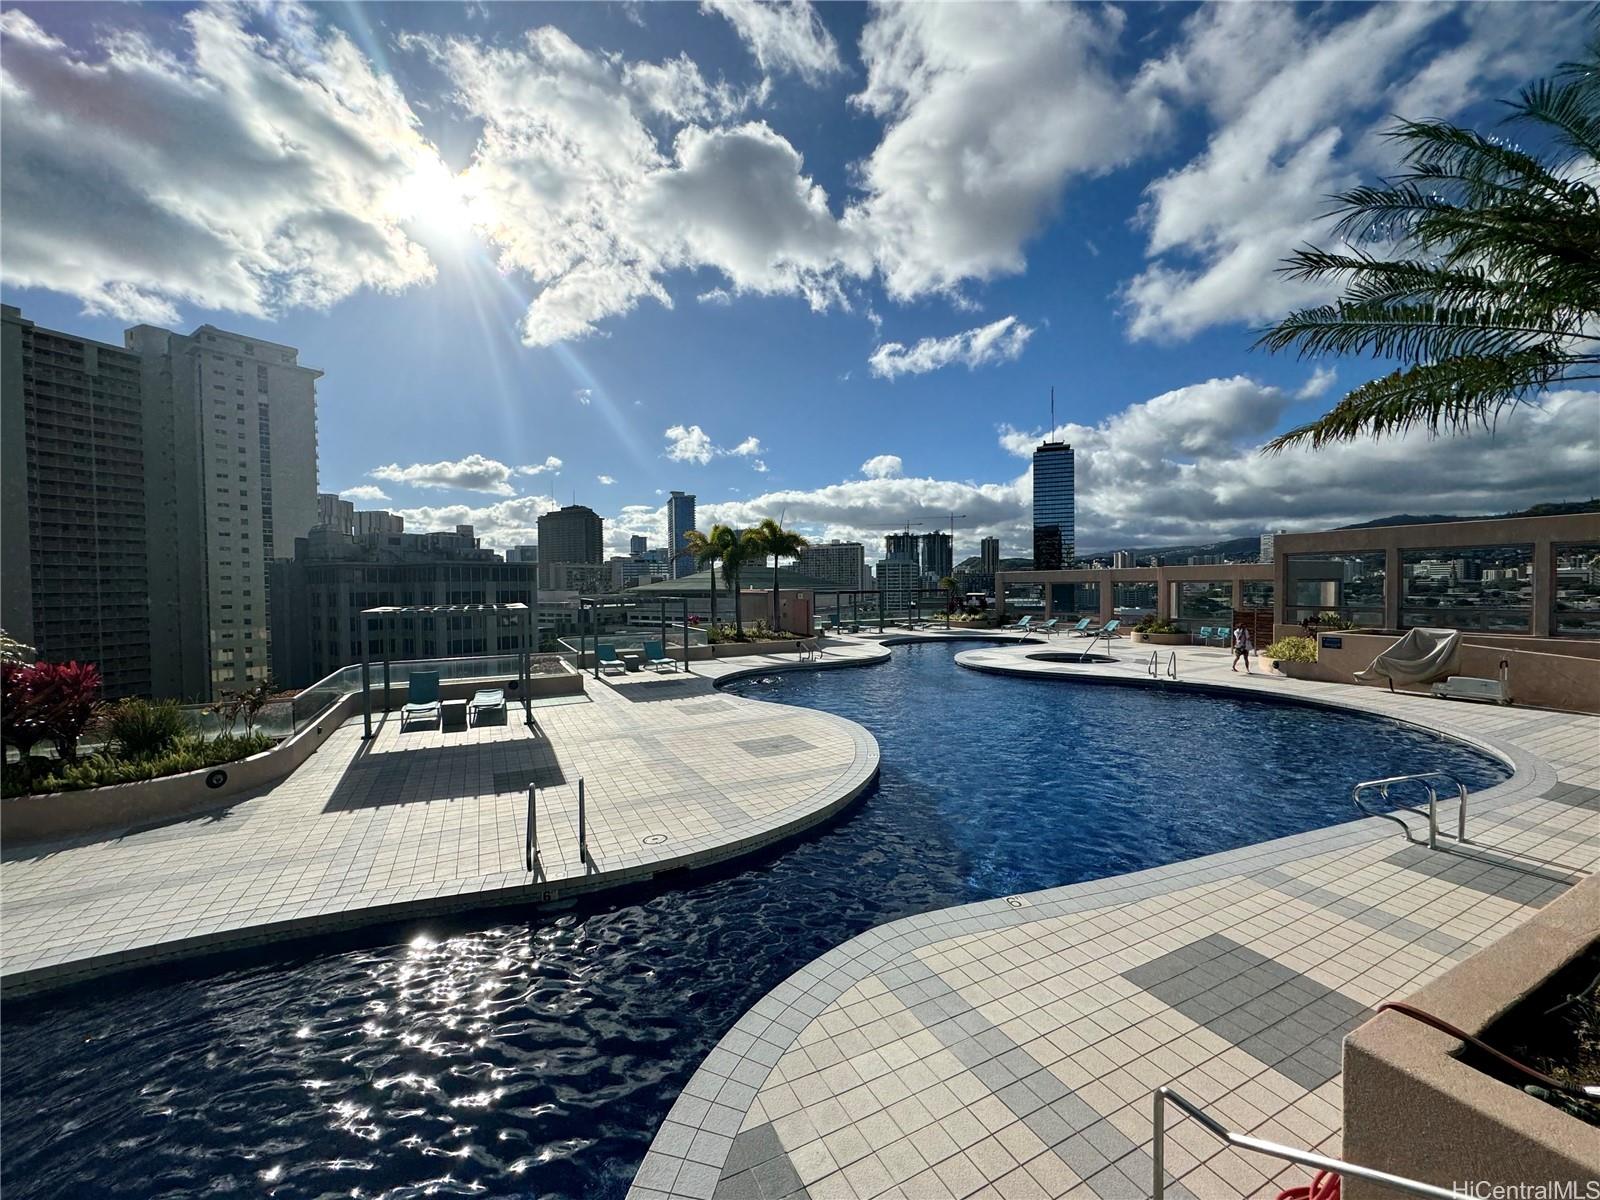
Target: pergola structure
[(387, 615), (591, 608)]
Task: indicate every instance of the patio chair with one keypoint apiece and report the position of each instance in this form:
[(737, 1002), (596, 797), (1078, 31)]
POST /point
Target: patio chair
[(655, 658), (1023, 625), (485, 700), (1204, 635), (1049, 627), (610, 664), (422, 698), (1081, 627), (1109, 629)]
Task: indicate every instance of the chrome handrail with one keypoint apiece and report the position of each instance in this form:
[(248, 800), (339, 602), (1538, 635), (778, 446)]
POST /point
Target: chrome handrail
[(1239, 1141), (1172, 666), (1383, 786), (1152, 668)]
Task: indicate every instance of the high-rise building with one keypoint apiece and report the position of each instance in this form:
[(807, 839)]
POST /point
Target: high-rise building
[(75, 537), (680, 520), (1054, 507), (937, 556), (838, 562), (376, 520), (1122, 558), (637, 544), (237, 454), (898, 582), (1266, 544), (901, 546), (574, 534), (318, 597), (334, 513), (989, 555), (525, 554)]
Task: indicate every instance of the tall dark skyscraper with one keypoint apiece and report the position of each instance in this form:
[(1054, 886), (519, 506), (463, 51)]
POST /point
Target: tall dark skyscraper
[(937, 560), (680, 520), (989, 555), (1054, 507), (901, 547)]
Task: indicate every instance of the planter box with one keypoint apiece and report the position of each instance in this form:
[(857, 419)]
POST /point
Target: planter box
[(1160, 639), (1291, 670), (1413, 1108)]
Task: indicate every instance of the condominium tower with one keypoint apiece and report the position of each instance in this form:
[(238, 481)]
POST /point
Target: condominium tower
[(680, 520), (838, 562), (1054, 508), (989, 555), (74, 580), (234, 456), (937, 556), (574, 534)]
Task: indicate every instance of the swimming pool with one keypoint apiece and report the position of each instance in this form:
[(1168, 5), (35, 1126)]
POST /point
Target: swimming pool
[(537, 1056)]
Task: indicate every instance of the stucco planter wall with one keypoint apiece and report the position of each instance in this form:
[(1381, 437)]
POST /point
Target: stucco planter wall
[(1413, 1108), (1160, 639)]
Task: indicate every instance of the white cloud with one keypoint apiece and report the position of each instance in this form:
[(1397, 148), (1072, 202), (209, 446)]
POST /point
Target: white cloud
[(1297, 99), (991, 109), (999, 341), (689, 444), (759, 466), (366, 493), (605, 480), (883, 466), (474, 473), (550, 465), (786, 36), (265, 165), (584, 396), (1321, 380), (513, 522), (718, 296)]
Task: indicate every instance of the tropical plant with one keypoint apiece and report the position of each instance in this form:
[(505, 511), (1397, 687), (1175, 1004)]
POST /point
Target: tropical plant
[(777, 543), (708, 550), (1150, 623), (251, 703), (1293, 649), (189, 753), (1484, 277), (950, 588), (48, 701), (145, 728), (743, 549)]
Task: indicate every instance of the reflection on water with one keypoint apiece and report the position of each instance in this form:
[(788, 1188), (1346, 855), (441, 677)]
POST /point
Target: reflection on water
[(535, 1057)]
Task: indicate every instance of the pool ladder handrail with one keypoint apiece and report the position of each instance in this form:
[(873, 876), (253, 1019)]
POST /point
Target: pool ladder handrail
[(1153, 667), (1240, 1141), (530, 848), (1383, 786)]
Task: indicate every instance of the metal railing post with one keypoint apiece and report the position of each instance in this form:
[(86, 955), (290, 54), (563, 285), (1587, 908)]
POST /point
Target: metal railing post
[(1158, 1148), (531, 846), (583, 832), (1433, 817)]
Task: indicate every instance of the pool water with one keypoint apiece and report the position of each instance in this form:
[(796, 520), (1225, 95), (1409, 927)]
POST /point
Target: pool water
[(534, 1055)]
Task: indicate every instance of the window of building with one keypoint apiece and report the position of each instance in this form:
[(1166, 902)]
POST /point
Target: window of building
[(1075, 599), (1202, 601), (1577, 590), (1472, 587), (1349, 586)]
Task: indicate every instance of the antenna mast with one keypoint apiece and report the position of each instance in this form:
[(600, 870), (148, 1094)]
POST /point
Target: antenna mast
[(1052, 410)]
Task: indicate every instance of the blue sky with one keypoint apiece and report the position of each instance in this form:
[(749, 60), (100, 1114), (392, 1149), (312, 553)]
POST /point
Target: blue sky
[(820, 262)]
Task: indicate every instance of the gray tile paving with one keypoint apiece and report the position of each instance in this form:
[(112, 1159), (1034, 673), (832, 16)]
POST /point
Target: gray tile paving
[(1009, 1048)]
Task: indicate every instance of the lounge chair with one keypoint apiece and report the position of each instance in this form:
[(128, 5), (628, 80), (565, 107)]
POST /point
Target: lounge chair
[(609, 662), (1049, 627), (1023, 625), (422, 698), (485, 700), (1109, 629), (1204, 635), (1081, 627), (655, 658)]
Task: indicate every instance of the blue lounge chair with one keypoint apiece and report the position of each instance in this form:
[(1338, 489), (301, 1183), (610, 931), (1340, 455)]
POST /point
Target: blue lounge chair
[(1023, 625), (1081, 627), (1109, 629), (655, 658), (609, 662), (485, 700), (422, 698), (1049, 627), (1204, 635)]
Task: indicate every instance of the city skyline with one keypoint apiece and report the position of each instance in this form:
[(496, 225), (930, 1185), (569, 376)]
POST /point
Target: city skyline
[(466, 385)]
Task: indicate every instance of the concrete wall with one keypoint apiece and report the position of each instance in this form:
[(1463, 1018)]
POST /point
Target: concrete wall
[(1561, 673), (1413, 1108)]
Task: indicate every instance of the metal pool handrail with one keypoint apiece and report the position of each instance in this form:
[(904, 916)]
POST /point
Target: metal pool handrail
[(1240, 1141), (1383, 786)]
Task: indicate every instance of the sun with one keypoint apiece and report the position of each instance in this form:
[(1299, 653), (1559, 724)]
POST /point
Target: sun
[(436, 204)]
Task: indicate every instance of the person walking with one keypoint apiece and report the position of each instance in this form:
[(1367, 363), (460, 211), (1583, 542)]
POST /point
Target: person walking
[(1242, 645)]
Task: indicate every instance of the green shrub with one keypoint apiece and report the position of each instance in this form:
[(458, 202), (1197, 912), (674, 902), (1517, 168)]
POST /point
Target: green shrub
[(189, 753), (1332, 620), (146, 729), (1151, 624), (1293, 649)]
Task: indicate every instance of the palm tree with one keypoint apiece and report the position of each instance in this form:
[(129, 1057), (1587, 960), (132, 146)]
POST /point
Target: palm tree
[(774, 540), (708, 550), (1492, 292), (744, 548)]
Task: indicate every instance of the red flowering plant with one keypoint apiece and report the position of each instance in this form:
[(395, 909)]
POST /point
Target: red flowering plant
[(48, 702)]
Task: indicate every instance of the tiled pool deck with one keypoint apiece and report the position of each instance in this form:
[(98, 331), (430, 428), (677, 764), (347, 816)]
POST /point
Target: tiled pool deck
[(1008, 1049), (428, 821)]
